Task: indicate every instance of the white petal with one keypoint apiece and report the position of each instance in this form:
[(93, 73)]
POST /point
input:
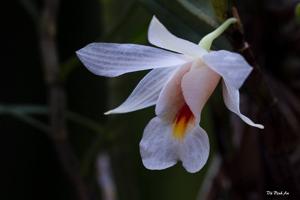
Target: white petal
[(147, 91), (194, 150), (231, 97), (197, 86), (157, 147), (159, 36), (109, 59), (171, 99), (231, 66)]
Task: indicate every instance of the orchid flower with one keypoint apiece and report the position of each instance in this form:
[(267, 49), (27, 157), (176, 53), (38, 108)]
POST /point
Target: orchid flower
[(179, 84)]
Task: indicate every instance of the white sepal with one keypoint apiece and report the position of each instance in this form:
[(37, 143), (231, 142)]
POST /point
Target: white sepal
[(231, 66), (231, 97), (159, 36), (147, 91), (110, 59)]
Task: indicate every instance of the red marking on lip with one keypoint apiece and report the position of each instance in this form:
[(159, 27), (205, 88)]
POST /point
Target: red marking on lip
[(183, 117)]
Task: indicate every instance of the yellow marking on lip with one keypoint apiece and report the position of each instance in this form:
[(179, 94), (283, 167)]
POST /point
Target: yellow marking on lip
[(183, 117)]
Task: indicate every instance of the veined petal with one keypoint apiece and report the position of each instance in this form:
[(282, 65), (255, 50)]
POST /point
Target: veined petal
[(197, 86), (110, 59), (157, 147), (147, 91), (231, 66), (194, 149), (160, 149), (231, 97), (159, 36), (171, 100)]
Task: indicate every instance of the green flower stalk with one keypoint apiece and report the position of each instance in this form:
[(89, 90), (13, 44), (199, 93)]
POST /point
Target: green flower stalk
[(207, 40)]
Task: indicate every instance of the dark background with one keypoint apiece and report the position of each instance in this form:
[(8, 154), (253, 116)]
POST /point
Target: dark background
[(38, 166)]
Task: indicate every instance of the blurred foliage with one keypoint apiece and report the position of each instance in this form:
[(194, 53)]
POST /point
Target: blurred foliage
[(297, 12)]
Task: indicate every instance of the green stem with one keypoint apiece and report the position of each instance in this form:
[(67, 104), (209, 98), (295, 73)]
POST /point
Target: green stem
[(207, 40)]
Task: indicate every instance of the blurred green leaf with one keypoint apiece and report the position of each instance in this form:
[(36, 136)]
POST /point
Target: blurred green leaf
[(25, 109), (221, 7), (23, 113), (297, 12), (202, 9)]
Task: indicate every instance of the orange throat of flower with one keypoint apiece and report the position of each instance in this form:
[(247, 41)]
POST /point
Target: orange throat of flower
[(184, 118)]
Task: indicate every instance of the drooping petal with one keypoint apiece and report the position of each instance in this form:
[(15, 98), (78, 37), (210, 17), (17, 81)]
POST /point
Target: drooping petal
[(110, 59), (197, 86), (157, 147), (147, 91), (231, 97), (159, 36), (231, 66), (171, 99), (194, 149)]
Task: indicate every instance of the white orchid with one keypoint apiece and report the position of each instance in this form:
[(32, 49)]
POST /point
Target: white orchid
[(179, 84)]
